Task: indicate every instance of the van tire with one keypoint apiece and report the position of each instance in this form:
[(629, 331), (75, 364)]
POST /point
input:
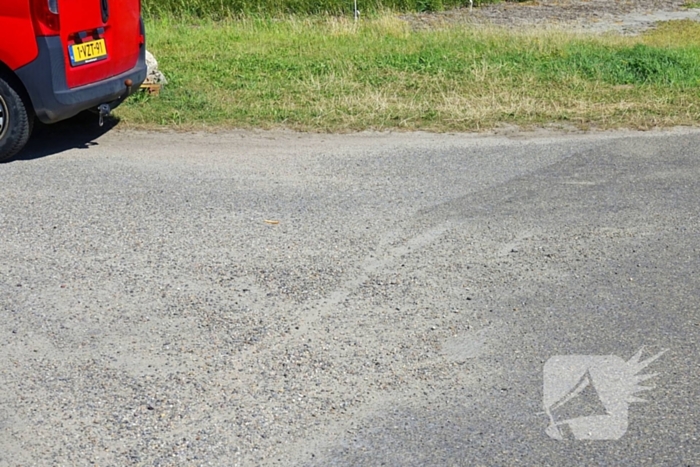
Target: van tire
[(16, 121)]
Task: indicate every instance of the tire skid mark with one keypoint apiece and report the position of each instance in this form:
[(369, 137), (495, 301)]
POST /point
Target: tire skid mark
[(372, 264)]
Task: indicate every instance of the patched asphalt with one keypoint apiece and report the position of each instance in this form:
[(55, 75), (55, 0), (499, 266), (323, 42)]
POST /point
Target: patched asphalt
[(271, 298)]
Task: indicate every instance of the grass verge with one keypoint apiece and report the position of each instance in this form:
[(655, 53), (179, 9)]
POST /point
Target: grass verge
[(330, 75)]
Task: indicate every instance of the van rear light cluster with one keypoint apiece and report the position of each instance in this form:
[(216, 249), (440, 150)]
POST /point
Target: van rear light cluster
[(45, 16)]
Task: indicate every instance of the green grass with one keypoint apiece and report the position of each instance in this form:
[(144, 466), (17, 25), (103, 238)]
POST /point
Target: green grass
[(326, 74)]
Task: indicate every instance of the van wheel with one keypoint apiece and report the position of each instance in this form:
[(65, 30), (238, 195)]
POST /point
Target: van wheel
[(15, 122)]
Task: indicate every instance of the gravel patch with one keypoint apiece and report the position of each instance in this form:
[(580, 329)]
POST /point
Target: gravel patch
[(626, 17)]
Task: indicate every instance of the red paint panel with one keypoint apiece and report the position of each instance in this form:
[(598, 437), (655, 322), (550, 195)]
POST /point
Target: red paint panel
[(17, 42), (121, 34)]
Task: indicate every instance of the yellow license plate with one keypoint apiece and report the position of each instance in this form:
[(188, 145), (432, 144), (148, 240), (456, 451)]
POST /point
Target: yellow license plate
[(87, 52)]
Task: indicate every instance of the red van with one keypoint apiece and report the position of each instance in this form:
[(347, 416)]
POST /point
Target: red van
[(60, 57)]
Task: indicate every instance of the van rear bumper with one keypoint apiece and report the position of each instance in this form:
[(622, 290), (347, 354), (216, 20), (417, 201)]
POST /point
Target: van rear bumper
[(45, 82)]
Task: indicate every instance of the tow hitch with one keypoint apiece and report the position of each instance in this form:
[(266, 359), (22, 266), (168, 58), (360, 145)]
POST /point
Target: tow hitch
[(103, 110)]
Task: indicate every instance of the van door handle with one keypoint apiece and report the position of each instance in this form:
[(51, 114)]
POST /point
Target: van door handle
[(104, 4)]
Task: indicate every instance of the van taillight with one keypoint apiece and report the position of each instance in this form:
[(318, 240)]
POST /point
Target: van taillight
[(45, 15)]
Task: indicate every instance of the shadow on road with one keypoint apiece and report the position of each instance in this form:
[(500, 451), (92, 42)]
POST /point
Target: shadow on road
[(79, 132)]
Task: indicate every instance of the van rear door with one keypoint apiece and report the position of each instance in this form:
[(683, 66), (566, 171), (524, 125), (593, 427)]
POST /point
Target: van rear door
[(100, 38)]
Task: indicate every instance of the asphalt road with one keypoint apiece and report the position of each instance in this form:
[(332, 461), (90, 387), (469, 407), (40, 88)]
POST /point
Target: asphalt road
[(402, 300)]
